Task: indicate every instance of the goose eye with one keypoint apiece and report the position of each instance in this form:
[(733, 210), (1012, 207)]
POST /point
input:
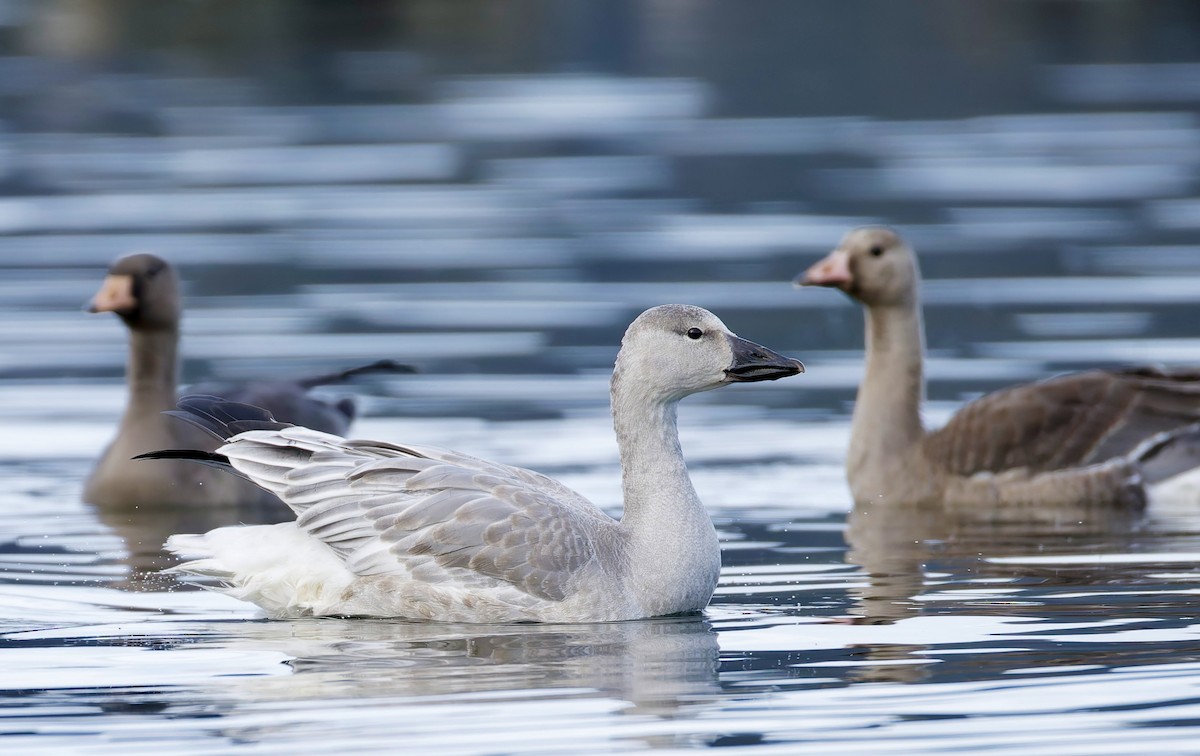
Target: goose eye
[(876, 251), (694, 333)]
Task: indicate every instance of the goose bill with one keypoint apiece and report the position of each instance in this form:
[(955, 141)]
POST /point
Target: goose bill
[(115, 295), (754, 362), (833, 271)]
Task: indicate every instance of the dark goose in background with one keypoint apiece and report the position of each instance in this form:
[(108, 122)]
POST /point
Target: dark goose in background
[(143, 290)]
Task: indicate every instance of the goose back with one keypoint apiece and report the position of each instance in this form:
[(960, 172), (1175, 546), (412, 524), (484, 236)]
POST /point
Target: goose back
[(1069, 421)]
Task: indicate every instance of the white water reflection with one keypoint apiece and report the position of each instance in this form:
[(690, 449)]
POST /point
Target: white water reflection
[(662, 682), (103, 164), (233, 208)]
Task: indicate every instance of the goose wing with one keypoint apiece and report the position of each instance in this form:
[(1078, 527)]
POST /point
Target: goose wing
[(290, 402), (1069, 421), (427, 513)]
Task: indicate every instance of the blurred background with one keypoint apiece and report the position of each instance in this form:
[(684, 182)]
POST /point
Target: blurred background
[(492, 190)]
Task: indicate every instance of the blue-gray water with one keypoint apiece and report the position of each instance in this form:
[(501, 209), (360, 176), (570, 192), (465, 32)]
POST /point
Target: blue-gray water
[(493, 196)]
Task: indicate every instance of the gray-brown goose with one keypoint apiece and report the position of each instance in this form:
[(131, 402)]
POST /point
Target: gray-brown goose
[(1090, 439), (143, 290)]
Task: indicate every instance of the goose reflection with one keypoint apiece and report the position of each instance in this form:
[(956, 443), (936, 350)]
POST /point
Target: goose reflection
[(892, 545), (657, 665), (896, 545)]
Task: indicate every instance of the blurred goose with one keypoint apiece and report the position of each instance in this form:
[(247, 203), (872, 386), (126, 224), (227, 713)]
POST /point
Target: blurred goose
[(388, 530), (143, 290), (1095, 438)]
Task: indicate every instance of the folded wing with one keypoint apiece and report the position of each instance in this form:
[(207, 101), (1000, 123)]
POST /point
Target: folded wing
[(428, 514), (1074, 420)]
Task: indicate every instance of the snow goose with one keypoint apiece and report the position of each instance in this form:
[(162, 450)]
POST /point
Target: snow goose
[(387, 530), (143, 290), (1091, 439)]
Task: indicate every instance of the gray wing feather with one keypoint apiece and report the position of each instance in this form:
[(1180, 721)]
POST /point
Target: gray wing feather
[(428, 514)]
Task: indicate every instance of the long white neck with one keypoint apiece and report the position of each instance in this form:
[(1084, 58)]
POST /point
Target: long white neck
[(674, 555), (887, 414), (152, 372)]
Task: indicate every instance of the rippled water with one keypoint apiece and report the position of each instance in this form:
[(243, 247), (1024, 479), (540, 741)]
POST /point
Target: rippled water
[(500, 232)]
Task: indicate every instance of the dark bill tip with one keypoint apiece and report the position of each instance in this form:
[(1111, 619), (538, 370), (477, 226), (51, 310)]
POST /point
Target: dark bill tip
[(754, 362)]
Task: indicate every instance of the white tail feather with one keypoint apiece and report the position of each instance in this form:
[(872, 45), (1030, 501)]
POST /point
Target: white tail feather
[(278, 567)]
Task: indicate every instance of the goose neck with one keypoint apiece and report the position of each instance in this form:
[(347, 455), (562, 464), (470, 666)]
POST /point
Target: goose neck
[(888, 409), (653, 474), (152, 372), (674, 557)]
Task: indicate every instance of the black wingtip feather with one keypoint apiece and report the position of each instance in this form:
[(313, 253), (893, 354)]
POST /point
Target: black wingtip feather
[(379, 366), (222, 418), (1169, 454), (192, 455), (212, 459)]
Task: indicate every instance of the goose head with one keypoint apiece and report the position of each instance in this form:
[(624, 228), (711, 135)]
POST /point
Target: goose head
[(871, 264), (674, 350), (143, 290)]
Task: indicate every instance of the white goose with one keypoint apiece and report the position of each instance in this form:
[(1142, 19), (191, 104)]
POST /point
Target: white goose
[(424, 533)]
